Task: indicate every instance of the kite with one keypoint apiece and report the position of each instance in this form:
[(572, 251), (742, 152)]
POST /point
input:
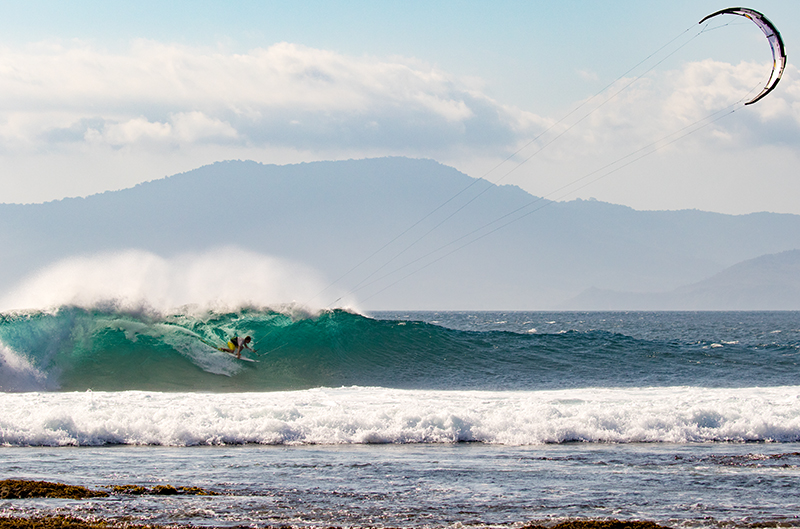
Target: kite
[(775, 42)]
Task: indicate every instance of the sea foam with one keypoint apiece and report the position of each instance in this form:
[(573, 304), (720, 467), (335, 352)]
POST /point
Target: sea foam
[(377, 415)]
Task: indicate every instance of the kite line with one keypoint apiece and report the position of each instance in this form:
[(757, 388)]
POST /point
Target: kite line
[(779, 62)]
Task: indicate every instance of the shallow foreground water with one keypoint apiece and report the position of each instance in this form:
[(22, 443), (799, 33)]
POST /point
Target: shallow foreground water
[(684, 485)]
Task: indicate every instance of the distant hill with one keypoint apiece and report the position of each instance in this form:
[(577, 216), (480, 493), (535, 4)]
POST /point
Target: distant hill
[(410, 234), (769, 282)]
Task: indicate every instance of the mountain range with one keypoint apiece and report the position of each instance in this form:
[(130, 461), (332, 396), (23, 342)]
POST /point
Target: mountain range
[(411, 234), (769, 282)]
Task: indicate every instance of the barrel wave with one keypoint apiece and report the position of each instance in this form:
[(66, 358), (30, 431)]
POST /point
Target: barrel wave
[(104, 348)]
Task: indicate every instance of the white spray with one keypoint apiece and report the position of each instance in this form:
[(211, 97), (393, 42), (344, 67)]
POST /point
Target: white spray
[(224, 278)]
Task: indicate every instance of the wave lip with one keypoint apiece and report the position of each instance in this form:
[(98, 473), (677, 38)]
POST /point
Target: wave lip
[(358, 415)]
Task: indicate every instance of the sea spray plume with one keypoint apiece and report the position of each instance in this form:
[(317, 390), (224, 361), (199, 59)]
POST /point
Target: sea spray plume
[(224, 278), (73, 306), (17, 373)]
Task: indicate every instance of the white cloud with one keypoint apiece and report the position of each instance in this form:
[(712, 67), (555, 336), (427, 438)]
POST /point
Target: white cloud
[(180, 129), (700, 154), (284, 94), (671, 104), (131, 131), (196, 126), (75, 119)]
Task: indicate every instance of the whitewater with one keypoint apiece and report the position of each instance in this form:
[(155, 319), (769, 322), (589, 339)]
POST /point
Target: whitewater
[(378, 415)]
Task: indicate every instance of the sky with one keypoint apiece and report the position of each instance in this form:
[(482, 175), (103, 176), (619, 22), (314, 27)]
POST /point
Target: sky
[(628, 102)]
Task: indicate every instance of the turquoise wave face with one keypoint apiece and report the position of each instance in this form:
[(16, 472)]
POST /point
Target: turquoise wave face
[(75, 349)]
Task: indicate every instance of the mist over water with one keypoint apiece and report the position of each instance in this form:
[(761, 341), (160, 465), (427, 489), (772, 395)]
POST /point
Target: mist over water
[(222, 278)]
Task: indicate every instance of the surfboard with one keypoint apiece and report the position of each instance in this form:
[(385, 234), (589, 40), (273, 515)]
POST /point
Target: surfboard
[(245, 359), (242, 358)]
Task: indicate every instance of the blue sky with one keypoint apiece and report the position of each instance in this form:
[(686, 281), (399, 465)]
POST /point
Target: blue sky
[(103, 95)]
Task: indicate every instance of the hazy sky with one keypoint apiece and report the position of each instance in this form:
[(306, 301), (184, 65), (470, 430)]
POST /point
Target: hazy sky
[(103, 95)]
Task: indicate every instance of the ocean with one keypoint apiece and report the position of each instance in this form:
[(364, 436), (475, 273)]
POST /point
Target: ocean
[(406, 419)]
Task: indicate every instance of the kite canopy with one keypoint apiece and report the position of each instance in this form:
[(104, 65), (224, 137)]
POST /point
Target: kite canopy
[(775, 42)]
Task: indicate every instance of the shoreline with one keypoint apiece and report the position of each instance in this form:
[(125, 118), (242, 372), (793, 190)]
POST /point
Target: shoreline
[(70, 522)]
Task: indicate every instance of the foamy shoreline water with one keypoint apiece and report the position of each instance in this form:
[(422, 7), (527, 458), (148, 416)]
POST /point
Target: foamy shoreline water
[(358, 415)]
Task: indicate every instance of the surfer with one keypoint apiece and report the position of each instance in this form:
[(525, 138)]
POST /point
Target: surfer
[(236, 344)]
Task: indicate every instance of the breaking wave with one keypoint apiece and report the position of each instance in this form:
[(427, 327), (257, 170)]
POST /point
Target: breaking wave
[(105, 348), (379, 415)]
